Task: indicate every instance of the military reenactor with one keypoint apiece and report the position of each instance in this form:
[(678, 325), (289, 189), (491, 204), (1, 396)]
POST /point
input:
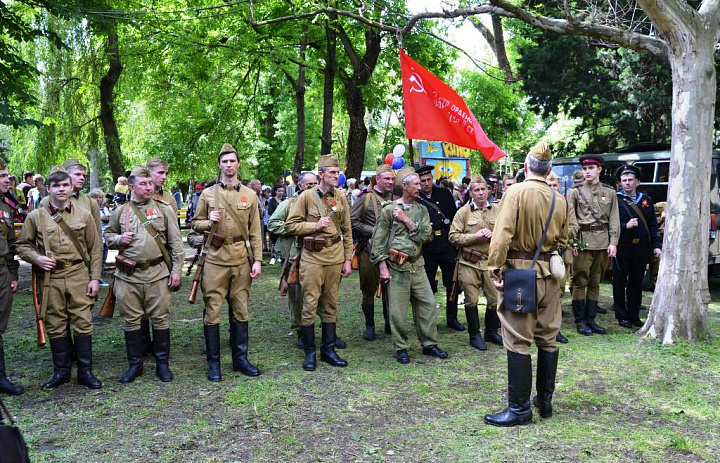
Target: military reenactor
[(471, 231), (439, 252), (403, 226), (229, 212), (78, 174), (321, 216), (288, 247), (8, 275), (146, 233), (639, 243), (363, 216), (61, 238), (596, 210), (524, 212)]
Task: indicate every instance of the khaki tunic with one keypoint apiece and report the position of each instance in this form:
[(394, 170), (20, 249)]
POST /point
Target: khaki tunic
[(320, 272), (145, 292), (524, 209), (408, 285), (226, 274), (167, 198), (469, 220), (363, 217), (67, 300), (79, 198), (8, 269)]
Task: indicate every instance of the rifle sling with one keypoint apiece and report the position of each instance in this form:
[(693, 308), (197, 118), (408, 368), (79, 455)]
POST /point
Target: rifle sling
[(57, 218), (332, 214), (641, 216), (153, 233)]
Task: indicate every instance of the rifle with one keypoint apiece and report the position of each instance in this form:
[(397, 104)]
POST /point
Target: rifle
[(108, 307), (194, 261), (454, 285), (38, 304), (202, 252)]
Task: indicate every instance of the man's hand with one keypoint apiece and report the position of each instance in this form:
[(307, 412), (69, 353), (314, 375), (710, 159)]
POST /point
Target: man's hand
[(346, 268), (612, 251), (174, 280), (14, 285), (126, 237), (322, 223), (46, 263), (575, 252), (93, 288), (499, 284), (215, 216), (484, 234), (256, 269), (632, 223), (657, 252), (384, 271)]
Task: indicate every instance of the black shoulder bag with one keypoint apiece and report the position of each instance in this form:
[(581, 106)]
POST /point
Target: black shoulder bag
[(520, 287), (14, 449)]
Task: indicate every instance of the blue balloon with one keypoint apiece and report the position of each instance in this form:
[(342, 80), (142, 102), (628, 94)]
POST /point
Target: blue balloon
[(398, 163), (341, 180)]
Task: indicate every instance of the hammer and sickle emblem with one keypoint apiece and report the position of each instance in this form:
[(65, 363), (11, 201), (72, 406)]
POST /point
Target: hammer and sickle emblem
[(417, 83)]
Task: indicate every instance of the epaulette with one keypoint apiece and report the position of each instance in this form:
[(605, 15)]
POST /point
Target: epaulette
[(157, 200)]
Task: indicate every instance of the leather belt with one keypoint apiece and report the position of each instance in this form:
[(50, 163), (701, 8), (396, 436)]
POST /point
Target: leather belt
[(594, 227), (235, 239), (544, 256), (63, 264), (333, 241), (148, 264)]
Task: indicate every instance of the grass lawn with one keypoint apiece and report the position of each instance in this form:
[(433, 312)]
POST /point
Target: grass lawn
[(618, 399)]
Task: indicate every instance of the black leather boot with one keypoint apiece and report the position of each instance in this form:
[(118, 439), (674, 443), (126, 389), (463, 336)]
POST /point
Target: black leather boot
[(327, 349), (369, 312), (134, 349), (492, 325), (161, 349), (518, 411), (473, 321), (339, 343), (578, 307), (451, 311), (61, 362), (545, 382), (146, 339), (299, 342), (6, 387), (83, 351), (560, 338), (212, 347), (308, 337), (591, 311), (239, 337)]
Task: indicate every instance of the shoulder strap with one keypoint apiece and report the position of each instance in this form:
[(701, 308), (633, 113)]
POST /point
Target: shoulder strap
[(427, 202), (585, 200), (57, 218), (321, 211), (547, 226), (153, 233), (393, 229), (467, 215), (628, 202)]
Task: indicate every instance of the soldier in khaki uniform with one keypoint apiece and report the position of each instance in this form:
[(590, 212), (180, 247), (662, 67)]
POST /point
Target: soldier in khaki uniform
[(8, 274), (145, 290), (229, 212), (524, 210), (402, 228), (321, 216), (74, 280), (470, 232), (363, 217), (78, 174), (596, 210)]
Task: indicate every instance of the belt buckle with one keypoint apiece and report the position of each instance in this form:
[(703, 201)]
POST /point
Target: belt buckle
[(636, 241), (438, 232)]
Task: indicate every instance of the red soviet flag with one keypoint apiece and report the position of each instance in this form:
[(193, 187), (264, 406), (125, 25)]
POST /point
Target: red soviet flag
[(433, 111)]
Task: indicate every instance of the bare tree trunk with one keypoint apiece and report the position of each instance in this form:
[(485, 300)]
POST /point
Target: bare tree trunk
[(107, 114), (329, 89), (93, 153), (679, 307), (300, 105), (358, 132)]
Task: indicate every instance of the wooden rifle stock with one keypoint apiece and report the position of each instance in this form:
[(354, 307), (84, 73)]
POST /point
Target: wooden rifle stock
[(202, 251), (453, 287), (193, 292), (40, 324), (108, 307)]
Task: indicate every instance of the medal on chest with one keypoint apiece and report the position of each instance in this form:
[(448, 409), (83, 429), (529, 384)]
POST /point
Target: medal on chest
[(152, 214), (602, 197), (333, 205), (243, 200)]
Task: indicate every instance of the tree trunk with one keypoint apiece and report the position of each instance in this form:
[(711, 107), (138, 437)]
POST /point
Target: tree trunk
[(679, 307), (357, 132), (300, 105), (329, 90), (107, 114), (93, 154)]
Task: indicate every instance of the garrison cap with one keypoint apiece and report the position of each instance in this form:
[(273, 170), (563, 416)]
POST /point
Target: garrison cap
[(627, 169), (140, 171), (424, 170), (541, 152), (54, 169), (227, 148), (591, 159), (551, 176), (382, 168), (401, 174), (478, 179), (328, 160), (578, 175), (72, 162)]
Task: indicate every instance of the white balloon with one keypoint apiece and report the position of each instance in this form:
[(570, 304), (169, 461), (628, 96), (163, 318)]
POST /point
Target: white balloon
[(399, 150)]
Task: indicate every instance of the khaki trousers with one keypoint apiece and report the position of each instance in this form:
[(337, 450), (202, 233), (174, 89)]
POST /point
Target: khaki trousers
[(588, 270), (369, 278), (519, 330), (320, 283), (411, 289), (143, 300), (471, 280), (67, 302), (231, 283), (6, 297)]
